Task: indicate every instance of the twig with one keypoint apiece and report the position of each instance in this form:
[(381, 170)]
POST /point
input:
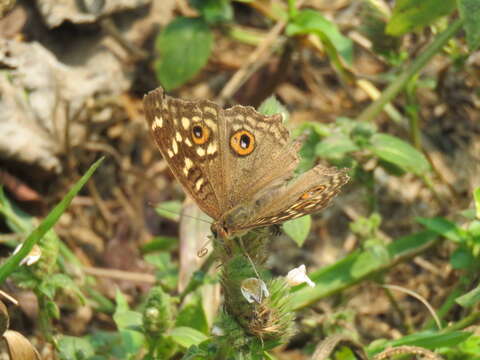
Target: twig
[(120, 275), (253, 63), (419, 298), (415, 350), (327, 347)]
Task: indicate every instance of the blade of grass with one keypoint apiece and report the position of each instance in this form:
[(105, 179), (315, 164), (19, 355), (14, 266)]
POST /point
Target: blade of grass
[(12, 263), (399, 83)]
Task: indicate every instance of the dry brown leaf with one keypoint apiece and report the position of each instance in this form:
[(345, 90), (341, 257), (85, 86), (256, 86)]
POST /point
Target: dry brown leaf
[(19, 347)]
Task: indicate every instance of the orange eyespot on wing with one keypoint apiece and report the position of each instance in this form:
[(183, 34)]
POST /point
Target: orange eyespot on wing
[(200, 134), (242, 142), (313, 192)]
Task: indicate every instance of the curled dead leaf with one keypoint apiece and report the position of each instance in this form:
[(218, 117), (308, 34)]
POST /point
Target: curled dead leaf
[(19, 347), (4, 318)]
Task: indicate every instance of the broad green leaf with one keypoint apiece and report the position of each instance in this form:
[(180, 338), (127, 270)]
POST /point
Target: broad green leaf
[(271, 106), (193, 315), (186, 336), (169, 210), (123, 316), (399, 153), (128, 323), (470, 13), (413, 14), (12, 263), (471, 346), (184, 47), (469, 299), (476, 197), (166, 272), (298, 229), (335, 146), (214, 11), (444, 228), (462, 258), (75, 348), (312, 22)]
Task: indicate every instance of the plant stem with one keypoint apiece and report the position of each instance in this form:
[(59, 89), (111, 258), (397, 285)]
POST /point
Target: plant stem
[(399, 83)]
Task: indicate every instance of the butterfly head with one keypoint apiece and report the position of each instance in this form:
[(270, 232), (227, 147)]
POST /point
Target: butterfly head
[(231, 222)]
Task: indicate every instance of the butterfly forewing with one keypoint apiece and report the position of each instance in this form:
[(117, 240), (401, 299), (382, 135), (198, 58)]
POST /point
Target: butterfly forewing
[(186, 135)]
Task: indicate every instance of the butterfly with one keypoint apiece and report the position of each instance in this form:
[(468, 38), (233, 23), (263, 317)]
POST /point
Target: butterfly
[(237, 164)]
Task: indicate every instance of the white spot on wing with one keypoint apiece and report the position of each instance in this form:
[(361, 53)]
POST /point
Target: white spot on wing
[(212, 148), (178, 136), (185, 122), (211, 110), (174, 147), (198, 184), (188, 166), (170, 153), (157, 122), (201, 151), (188, 142), (211, 124)]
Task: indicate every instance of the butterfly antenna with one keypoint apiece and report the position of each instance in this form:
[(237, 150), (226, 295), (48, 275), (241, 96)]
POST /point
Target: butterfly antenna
[(176, 213), (249, 258)]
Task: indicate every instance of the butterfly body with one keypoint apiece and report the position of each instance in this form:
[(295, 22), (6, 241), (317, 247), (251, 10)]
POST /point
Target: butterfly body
[(237, 164)]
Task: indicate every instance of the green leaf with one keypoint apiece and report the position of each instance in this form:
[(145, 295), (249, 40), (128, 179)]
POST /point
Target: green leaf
[(399, 153), (169, 210), (193, 315), (184, 46), (186, 336), (335, 146), (160, 243), (214, 11), (462, 258), (128, 322), (298, 229), (75, 348), (469, 299), (312, 22), (431, 340), (123, 316), (476, 197), (413, 14), (166, 271), (12, 263), (443, 227), (271, 106), (470, 13)]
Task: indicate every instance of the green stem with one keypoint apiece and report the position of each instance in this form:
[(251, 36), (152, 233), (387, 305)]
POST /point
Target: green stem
[(462, 324), (399, 83), (244, 36)]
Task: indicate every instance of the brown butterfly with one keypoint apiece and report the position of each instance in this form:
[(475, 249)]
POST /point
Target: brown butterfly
[(236, 163)]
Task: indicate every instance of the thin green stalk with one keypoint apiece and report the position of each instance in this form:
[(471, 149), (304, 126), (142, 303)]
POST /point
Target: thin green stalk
[(462, 324), (244, 36), (13, 261), (399, 83)]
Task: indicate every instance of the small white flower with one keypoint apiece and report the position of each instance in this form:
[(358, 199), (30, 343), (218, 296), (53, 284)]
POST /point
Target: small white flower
[(299, 276), (254, 290), (32, 257), (217, 331)]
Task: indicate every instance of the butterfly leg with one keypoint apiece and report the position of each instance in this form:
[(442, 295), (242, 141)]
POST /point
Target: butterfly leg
[(276, 230)]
